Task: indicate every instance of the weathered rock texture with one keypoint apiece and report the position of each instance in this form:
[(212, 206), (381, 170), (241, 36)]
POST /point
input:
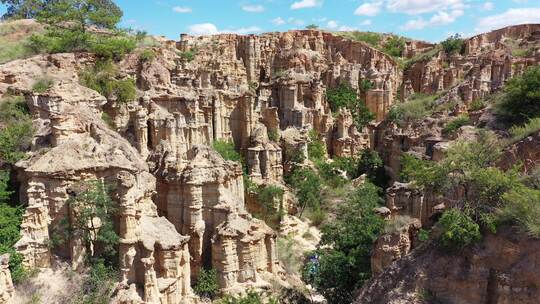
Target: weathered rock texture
[(82, 147), (204, 198), (488, 61), (501, 270), (394, 245), (6, 284)]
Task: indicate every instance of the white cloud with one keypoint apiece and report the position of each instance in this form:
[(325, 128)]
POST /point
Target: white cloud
[(345, 28), (253, 8), (332, 24), (366, 22), (441, 18), (244, 30), (488, 6), (369, 9), (278, 21), (414, 7), (202, 29), (306, 4), (510, 17), (182, 9)]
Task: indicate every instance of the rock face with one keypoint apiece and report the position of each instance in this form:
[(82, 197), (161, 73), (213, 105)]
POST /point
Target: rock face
[(525, 151), (6, 284), (501, 270), (488, 61), (204, 198), (392, 246), (82, 147)]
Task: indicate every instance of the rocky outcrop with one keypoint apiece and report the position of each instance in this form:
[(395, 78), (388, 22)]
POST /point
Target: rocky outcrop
[(203, 196), (6, 284), (525, 152), (394, 245), (501, 270), (153, 256), (487, 62)]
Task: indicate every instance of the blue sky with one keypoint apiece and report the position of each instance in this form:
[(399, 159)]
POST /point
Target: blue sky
[(431, 20)]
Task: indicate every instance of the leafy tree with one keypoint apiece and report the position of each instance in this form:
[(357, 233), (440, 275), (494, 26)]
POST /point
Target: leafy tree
[(316, 147), (16, 135), (342, 262), (312, 27), (93, 222), (346, 97), (79, 15), (23, 9), (206, 284), (270, 199), (459, 230), (68, 29), (227, 151), (522, 207), (394, 46), (10, 222), (102, 77), (521, 99), (453, 44), (307, 185)]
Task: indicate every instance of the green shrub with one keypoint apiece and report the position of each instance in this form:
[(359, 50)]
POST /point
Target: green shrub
[(422, 57), (520, 132), (312, 27), (317, 217), (13, 43), (521, 99), (125, 90), (458, 122), (226, 150), (251, 297), (270, 199), (10, 223), (476, 105), (394, 46), (188, 55), (16, 135), (42, 85), (346, 97), (418, 107), (102, 77), (316, 147), (331, 174), (423, 235), (273, 135), (307, 186), (459, 230), (522, 207), (91, 200), (374, 39), (98, 286), (107, 119), (206, 284), (341, 265), (453, 45), (423, 173), (115, 47)]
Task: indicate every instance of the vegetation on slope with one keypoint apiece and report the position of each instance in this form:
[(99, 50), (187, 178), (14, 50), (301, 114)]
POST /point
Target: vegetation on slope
[(345, 97), (342, 262)]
